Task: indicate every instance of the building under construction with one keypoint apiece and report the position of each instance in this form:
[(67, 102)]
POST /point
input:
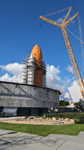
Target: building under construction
[(31, 96)]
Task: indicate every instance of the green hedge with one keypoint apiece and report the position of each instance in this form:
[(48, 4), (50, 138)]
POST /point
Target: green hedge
[(70, 115), (81, 120)]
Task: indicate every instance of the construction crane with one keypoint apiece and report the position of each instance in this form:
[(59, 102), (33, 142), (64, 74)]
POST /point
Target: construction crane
[(70, 101), (68, 45)]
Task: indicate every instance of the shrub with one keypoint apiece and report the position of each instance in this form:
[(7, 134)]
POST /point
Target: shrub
[(44, 116), (81, 120), (18, 119), (31, 117), (70, 115)]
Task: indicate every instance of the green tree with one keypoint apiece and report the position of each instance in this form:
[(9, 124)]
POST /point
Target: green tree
[(77, 104), (64, 103)]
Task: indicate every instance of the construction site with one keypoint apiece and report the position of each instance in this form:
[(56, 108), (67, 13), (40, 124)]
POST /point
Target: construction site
[(32, 96)]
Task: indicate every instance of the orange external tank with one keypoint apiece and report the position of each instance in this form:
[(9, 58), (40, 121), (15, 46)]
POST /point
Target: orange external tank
[(37, 55)]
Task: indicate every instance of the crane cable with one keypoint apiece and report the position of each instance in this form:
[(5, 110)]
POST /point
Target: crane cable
[(59, 11), (75, 36), (56, 12), (80, 34), (81, 42)]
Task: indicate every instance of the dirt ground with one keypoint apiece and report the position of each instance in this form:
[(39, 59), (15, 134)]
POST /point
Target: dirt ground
[(39, 122)]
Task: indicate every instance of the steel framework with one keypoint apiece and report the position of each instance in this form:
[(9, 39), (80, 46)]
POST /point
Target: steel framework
[(69, 47)]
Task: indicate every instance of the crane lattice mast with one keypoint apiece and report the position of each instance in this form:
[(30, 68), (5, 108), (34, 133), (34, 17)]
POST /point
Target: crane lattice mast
[(69, 47)]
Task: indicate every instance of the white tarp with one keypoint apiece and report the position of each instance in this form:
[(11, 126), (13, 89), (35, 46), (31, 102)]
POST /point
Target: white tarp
[(70, 106), (75, 93)]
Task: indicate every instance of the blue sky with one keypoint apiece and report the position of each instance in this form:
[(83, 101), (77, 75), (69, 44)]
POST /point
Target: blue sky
[(20, 31)]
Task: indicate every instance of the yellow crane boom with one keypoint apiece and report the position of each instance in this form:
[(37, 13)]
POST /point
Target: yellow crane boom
[(70, 101), (69, 47)]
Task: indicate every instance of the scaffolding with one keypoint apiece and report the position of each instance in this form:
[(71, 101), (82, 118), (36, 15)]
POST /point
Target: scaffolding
[(44, 74), (31, 72), (25, 71)]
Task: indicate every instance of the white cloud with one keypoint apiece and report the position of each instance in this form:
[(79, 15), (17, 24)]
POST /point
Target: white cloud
[(70, 69), (74, 83), (52, 77), (54, 80), (14, 68), (60, 20), (67, 95), (54, 71), (8, 78), (65, 84), (4, 77)]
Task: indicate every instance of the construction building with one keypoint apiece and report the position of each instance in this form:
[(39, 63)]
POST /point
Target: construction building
[(31, 96)]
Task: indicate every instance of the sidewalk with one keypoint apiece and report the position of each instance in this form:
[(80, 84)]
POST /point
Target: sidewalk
[(8, 118), (10, 140)]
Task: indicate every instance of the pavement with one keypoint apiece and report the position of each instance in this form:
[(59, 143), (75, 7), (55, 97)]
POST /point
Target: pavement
[(10, 140), (9, 118)]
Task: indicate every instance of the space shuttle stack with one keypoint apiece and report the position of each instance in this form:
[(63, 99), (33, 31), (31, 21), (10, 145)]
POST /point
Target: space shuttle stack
[(34, 72)]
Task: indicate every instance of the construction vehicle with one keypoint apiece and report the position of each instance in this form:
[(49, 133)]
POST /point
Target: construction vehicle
[(68, 44)]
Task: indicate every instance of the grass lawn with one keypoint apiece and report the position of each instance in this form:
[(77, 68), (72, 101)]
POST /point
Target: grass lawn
[(44, 130)]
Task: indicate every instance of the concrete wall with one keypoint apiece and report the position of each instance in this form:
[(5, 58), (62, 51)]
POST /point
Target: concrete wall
[(20, 95)]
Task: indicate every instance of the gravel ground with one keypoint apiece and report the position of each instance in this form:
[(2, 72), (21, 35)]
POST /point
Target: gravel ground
[(40, 122)]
